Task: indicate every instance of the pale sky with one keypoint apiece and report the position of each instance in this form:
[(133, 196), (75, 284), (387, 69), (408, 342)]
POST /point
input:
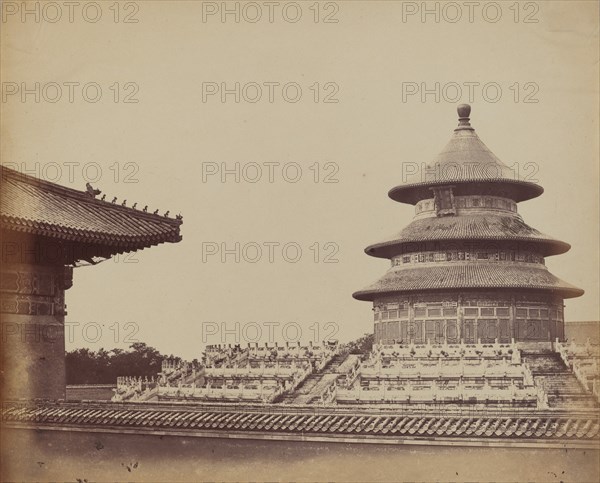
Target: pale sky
[(366, 61)]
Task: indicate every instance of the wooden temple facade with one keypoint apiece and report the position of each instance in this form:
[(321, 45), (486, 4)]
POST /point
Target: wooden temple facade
[(467, 268), (47, 230)]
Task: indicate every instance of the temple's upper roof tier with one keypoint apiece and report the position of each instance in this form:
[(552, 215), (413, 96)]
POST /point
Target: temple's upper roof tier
[(468, 165), (467, 276), (477, 228)]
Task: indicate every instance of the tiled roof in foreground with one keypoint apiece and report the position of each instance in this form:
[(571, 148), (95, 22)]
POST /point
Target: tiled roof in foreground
[(38, 207), (580, 426), (468, 275)]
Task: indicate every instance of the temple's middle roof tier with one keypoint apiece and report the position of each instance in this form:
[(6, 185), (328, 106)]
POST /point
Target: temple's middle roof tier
[(467, 229)]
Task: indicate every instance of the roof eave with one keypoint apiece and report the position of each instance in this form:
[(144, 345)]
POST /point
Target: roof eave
[(389, 249), (414, 192), (370, 295)]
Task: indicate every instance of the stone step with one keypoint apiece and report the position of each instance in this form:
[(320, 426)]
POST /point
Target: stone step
[(549, 363), (561, 382), (572, 402)]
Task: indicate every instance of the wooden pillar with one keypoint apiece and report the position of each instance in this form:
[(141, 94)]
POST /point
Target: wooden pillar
[(512, 314), (460, 316), (411, 319)]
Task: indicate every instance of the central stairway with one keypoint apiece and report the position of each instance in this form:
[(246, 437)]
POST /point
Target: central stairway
[(315, 384), (562, 387), (304, 388)]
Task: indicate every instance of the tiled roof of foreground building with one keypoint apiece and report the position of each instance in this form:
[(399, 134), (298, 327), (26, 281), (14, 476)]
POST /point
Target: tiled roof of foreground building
[(37, 207), (475, 275), (579, 426)]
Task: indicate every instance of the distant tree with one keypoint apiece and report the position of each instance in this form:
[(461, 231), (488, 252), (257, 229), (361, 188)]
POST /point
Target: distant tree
[(84, 366), (80, 366)]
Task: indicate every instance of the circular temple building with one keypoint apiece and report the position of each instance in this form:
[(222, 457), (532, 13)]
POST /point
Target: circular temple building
[(467, 268)]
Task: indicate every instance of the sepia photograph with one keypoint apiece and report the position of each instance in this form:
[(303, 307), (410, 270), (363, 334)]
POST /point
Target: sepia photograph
[(300, 241)]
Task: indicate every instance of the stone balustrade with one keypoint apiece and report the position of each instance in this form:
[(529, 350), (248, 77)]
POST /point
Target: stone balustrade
[(131, 387), (428, 394), (241, 392), (448, 351), (227, 353), (446, 369), (263, 369)]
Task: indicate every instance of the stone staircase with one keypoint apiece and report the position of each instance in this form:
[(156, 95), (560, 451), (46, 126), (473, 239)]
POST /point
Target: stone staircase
[(335, 363), (317, 390), (562, 387), (314, 385), (544, 362), (304, 388)]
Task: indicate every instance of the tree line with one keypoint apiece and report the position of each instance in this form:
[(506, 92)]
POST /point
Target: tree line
[(84, 366)]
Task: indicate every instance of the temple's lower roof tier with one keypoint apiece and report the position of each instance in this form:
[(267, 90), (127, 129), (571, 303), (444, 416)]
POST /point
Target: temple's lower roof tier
[(467, 276), (466, 229)]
